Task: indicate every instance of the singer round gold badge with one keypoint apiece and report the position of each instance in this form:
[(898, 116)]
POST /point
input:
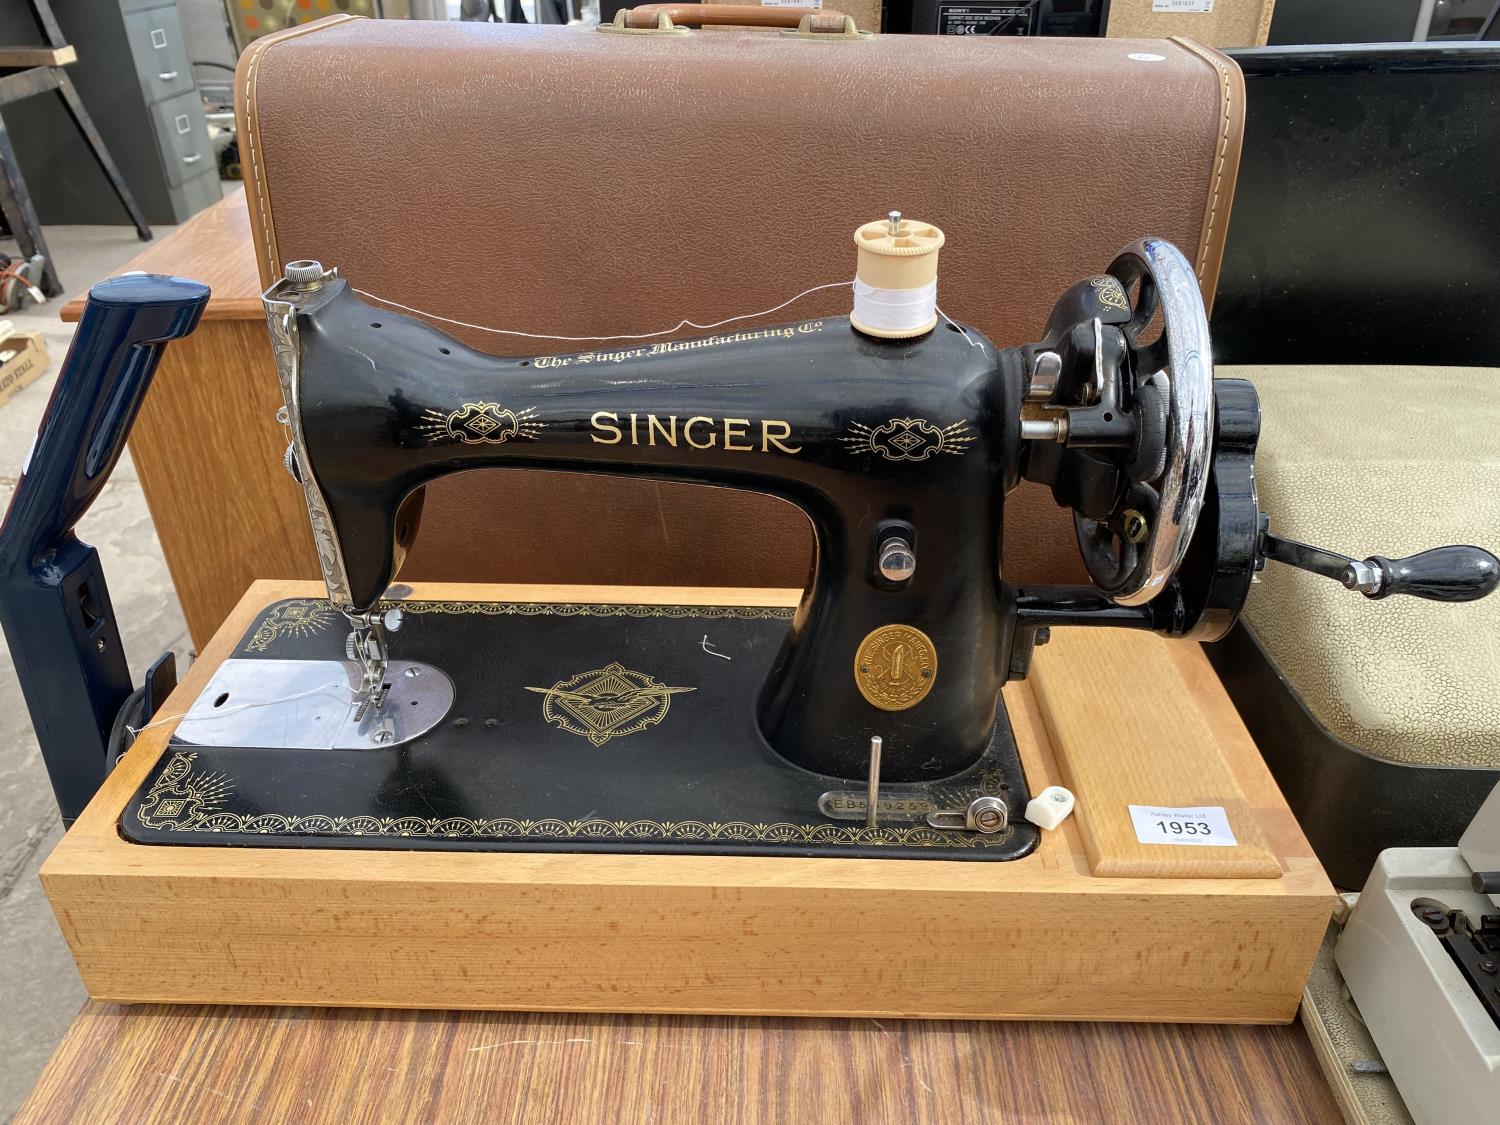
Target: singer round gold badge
[(895, 667)]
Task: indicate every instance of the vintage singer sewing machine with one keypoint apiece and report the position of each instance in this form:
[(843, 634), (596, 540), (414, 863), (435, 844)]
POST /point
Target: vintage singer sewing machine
[(864, 723)]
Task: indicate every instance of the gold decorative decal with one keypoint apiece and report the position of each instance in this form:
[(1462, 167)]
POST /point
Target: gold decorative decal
[(895, 667), (178, 797), (1110, 292), (180, 801), (607, 703), (599, 609), (665, 347), (908, 439), (303, 616), (480, 423), (697, 431), (291, 619)]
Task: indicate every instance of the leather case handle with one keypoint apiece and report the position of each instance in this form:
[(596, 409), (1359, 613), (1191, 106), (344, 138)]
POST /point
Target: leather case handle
[(645, 16)]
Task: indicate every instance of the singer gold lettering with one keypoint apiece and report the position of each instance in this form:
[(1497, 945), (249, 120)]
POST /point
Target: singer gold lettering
[(696, 431), (669, 347)]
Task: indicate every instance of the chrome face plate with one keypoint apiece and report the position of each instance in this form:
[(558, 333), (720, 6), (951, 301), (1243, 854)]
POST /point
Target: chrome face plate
[(314, 705)]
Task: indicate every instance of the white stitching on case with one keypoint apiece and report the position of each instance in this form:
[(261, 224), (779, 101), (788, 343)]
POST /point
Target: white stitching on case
[(1223, 155), (252, 118)]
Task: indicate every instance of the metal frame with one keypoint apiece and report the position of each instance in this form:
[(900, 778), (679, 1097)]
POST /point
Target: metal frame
[(15, 199)]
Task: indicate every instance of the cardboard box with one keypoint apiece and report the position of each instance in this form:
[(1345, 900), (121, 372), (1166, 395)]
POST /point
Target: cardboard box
[(27, 365), (1216, 23)]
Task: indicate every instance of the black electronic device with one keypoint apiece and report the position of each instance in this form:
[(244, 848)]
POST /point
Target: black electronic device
[(998, 17)]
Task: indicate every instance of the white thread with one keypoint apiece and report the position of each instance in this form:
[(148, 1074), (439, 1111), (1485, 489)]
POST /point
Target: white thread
[(184, 716), (895, 310), (681, 324), (684, 323), (959, 328)]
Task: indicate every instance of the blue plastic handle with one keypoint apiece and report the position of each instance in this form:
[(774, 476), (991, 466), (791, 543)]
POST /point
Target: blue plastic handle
[(54, 604), (103, 380)]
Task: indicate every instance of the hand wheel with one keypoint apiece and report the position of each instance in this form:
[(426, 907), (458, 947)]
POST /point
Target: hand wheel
[(1133, 568)]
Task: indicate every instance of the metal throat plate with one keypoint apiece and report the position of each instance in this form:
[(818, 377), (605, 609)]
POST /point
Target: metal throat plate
[(314, 705)]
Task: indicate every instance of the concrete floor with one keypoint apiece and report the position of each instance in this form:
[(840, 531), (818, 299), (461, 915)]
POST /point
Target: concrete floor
[(41, 987)]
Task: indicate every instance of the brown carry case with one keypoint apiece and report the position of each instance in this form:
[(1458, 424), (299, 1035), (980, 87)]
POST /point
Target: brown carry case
[(594, 183)]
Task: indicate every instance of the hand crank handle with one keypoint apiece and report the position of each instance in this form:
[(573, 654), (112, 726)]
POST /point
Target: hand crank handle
[(1443, 574)]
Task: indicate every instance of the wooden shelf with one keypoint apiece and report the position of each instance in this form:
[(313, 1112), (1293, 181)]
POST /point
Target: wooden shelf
[(37, 56)]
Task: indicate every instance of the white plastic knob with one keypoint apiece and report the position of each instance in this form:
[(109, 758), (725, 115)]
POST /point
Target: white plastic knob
[(1050, 807)]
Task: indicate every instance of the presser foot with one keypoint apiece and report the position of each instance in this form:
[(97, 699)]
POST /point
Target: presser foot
[(368, 645)]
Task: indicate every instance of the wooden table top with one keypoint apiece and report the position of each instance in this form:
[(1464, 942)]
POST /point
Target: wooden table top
[(213, 247), (205, 1064)]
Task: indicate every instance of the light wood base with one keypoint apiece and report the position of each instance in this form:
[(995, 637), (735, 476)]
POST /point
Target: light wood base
[(1038, 938)]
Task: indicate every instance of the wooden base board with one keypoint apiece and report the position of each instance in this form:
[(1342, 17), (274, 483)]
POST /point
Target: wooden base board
[(1037, 938)]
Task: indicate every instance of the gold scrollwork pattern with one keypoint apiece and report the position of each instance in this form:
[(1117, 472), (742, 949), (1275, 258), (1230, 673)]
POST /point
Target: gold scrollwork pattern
[(908, 439), (179, 797), (290, 619), (182, 801), (305, 616), (606, 703), (601, 609), (480, 423), (1110, 292)]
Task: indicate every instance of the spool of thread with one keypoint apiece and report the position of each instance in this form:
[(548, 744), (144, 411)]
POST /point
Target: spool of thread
[(895, 282)]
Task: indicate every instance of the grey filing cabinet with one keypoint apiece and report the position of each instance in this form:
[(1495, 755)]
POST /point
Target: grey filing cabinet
[(135, 75)]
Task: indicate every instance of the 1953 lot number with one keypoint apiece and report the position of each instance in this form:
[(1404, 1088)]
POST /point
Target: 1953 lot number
[(1207, 826), (1184, 828)]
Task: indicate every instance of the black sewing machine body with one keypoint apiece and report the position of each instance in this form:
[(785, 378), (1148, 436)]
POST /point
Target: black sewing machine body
[(866, 721), (873, 439)]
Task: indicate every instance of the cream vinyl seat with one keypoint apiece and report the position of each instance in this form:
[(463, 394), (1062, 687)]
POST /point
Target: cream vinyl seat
[(1381, 721)]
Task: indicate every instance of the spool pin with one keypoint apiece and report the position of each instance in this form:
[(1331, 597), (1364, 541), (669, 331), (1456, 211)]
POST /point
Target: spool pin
[(895, 281)]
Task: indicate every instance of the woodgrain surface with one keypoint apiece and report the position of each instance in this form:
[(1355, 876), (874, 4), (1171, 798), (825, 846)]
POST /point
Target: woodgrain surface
[(212, 247), (690, 934), (1114, 752), (147, 1064), (38, 56), (208, 453)]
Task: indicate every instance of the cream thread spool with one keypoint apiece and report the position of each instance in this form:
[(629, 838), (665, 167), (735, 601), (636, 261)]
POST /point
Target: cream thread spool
[(895, 282)]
